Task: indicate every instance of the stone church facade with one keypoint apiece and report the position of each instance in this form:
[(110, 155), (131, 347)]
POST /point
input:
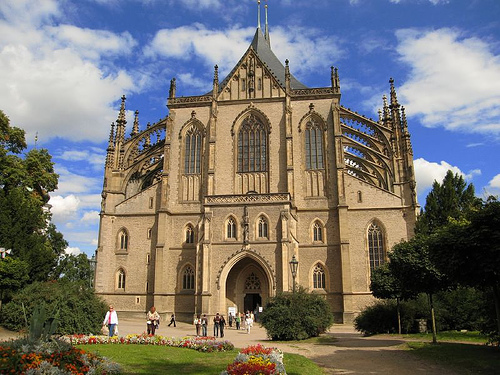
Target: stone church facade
[(203, 210)]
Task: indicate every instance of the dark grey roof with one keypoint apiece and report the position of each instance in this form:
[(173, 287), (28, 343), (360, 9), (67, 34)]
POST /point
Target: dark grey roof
[(263, 50)]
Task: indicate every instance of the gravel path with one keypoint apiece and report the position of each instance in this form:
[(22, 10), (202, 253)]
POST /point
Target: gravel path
[(343, 351)]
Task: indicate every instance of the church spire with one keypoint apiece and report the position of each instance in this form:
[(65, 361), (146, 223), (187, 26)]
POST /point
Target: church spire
[(135, 128), (258, 14), (266, 29), (394, 99)]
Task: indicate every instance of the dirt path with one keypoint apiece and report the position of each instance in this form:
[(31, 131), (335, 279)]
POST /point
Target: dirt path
[(342, 351)]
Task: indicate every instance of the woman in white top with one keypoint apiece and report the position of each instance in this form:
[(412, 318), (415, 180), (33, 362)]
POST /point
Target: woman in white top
[(111, 320)]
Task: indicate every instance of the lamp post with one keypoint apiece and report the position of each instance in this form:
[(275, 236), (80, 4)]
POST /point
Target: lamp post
[(4, 252), (294, 264), (92, 262)]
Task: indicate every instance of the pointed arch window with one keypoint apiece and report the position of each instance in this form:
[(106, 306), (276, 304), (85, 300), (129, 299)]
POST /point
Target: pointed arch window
[(123, 240), (252, 146), (192, 155), (231, 228), (319, 278), (252, 282), (188, 278), (314, 146), (189, 234), (263, 227), (120, 279), (375, 246), (317, 232)]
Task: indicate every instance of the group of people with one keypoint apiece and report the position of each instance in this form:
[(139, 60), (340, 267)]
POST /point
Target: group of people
[(200, 322)]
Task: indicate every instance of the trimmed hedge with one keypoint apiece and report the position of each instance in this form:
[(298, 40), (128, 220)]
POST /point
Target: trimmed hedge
[(296, 316)]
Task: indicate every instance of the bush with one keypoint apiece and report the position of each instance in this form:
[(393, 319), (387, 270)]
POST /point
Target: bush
[(381, 317), (296, 316), (78, 309)]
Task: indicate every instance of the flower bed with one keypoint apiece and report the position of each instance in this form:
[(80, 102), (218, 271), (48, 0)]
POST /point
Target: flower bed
[(201, 344), (22, 357), (257, 360)]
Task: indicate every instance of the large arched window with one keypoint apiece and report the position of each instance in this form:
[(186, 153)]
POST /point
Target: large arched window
[(319, 279), (123, 240), (189, 234), (120, 279), (252, 146), (375, 246), (262, 227), (188, 278), (314, 146), (317, 232), (192, 155), (231, 228)]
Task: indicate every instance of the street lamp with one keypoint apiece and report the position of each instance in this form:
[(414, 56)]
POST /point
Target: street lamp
[(93, 263), (4, 252), (294, 264)]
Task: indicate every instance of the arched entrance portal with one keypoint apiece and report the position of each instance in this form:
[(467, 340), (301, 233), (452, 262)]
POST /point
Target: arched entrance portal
[(247, 286)]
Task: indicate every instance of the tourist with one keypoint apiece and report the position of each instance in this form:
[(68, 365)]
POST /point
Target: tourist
[(216, 324), (204, 325), (153, 320), (111, 320), (230, 320), (222, 323), (238, 321), (248, 323), (197, 323), (172, 320)]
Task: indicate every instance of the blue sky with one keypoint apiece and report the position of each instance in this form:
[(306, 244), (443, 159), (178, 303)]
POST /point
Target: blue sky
[(65, 64)]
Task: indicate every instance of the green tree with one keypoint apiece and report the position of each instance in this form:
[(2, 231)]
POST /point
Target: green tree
[(25, 182), (469, 250), (74, 268), (13, 276), (386, 286), (411, 265), (452, 198)]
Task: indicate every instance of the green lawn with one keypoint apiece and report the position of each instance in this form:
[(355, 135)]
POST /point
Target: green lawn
[(464, 358), (470, 336), (149, 359)]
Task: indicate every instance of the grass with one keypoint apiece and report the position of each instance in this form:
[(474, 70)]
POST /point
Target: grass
[(457, 336), (464, 358), (139, 359)]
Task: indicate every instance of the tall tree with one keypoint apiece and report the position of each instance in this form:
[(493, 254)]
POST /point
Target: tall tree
[(414, 271), (452, 198), (25, 182), (13, 276), (469, 250)]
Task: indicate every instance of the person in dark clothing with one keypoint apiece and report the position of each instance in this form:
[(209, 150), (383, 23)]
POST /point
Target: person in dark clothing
[(172, 320), (222, 323), (230, 320)]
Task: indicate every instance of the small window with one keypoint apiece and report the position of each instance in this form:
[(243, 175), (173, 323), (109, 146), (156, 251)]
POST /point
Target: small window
[(319, 279), (149, 233), (123, 238), (148, 258), (263, 227), (188, 278), (243, 84), (231, 229), (317, 232), (151, 200), (259, 84), (189, 234), (120, 279), (360, 197)]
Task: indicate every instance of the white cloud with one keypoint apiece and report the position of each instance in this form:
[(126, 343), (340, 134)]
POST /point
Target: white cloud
[(493, 187), (91, 217), (72, 251), (427, 172), (454, 81), (72, 183), (56, 80), (95, 157), (304, 47), (187, 79), (63, 207)]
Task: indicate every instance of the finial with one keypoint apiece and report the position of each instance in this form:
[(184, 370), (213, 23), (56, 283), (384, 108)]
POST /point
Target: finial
[(193, 114), (216, 73), (135, 128), (404, 123), (394, 99), (121, 116), (311, 107), (386, 107), (173, 86), (111, 136), (258, 14), (266, 29), (379, 115), (287, 62)]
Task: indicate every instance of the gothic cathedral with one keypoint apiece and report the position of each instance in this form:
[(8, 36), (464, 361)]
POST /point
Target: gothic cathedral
[(204, 210)]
